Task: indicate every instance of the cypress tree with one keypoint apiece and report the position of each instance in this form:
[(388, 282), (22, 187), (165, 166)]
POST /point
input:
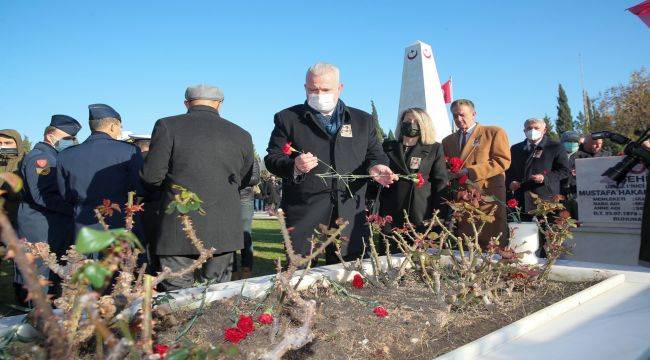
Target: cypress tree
[(550, 132), (564, 120), (375, 117)]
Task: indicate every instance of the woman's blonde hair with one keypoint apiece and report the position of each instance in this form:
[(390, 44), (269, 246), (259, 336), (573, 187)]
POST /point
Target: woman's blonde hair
[(427, 134)]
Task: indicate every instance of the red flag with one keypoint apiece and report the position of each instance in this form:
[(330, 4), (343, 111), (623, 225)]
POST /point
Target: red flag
[(642, 10), (446, 90)]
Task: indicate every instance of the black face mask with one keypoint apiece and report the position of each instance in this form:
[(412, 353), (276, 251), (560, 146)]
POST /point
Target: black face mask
[(408, 129), (8, 152)]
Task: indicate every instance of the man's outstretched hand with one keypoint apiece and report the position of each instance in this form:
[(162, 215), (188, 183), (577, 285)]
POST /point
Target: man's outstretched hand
[(383, 175)]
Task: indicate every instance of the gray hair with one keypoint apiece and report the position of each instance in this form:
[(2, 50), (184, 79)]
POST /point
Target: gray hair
[(322, 68), (534, 121)]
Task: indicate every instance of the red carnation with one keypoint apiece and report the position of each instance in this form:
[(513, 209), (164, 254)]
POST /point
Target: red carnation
[(388, 219), (287, 149), (564, 214), (234, 335), (358, 282), (463, 179), (519, 275), (455, 164), (419, 181), (246, 324), (512, 203), (161, 350), (545, 171), (265, 319), (380, 311)]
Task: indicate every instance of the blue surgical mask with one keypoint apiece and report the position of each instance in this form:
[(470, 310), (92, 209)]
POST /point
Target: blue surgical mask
[(571, 147), (64, 144)]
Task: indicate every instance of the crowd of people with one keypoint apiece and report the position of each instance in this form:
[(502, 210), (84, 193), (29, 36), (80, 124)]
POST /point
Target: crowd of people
[(214, 158)]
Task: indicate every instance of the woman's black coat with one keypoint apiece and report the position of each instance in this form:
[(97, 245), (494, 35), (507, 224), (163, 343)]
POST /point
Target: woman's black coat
[(429, 160)]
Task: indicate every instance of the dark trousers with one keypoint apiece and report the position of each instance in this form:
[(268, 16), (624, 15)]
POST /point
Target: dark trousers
[(218, 268), (330, 251), (246, 254)]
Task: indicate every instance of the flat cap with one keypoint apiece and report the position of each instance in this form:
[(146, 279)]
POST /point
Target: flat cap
[(102, 111), (66, 124), (203, 92), (570, 136)]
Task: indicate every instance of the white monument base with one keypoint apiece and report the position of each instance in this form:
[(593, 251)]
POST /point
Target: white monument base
[(605, 244)]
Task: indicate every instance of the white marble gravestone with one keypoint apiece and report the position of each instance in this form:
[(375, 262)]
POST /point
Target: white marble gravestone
[(421, 87), (610, 214)]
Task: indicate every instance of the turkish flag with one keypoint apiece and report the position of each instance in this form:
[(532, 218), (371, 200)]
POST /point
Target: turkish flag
[(642, 10), (446, 91)]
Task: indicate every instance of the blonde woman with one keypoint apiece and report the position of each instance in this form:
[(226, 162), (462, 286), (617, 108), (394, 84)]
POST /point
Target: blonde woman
[(414, 151)]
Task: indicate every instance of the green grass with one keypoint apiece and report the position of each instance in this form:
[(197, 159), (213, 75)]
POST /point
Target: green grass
[(267, 246)]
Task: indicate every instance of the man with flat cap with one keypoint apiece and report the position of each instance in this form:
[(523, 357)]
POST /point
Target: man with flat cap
[(212, 157), (101, 167), (43, 215)]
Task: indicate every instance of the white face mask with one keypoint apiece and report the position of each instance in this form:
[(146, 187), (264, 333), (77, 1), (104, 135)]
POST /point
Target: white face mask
[(64, 144), (533, 134), (323, 103)]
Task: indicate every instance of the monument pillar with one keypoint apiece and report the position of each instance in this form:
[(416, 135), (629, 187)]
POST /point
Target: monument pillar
[(421, 87)]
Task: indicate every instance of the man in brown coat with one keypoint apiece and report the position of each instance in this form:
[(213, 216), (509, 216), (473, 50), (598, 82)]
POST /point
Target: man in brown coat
[(486, 155)]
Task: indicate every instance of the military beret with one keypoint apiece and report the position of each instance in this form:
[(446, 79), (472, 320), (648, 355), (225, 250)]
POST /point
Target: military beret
[(203, 92), (66, 124), (102, 111), (570, 136)]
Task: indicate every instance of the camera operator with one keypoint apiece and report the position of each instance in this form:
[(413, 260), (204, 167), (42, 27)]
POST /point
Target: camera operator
[(11, 154)]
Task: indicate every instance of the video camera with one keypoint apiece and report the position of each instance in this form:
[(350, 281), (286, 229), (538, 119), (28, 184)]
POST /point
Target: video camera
[(8, 152), (633, 149)]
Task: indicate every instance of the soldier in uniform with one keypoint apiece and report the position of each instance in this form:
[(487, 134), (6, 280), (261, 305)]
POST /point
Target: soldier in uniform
[(101, 167), (43, 215), (11, 153)]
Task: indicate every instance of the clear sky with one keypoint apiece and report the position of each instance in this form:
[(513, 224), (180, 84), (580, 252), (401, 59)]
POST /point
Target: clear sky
[(138, 56)]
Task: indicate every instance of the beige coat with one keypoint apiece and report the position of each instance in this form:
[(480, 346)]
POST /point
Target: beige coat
[(487, 157)]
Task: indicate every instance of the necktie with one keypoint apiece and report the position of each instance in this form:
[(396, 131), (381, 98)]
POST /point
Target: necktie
[(463, 140)]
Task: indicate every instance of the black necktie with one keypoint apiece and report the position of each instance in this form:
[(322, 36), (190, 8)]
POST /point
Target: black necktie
[(463, 140)]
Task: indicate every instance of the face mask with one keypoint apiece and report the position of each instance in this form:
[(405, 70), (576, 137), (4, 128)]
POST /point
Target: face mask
[(64, 144), (6, 152), (571, 147), (323, 103), (533, 134), (408, 129)]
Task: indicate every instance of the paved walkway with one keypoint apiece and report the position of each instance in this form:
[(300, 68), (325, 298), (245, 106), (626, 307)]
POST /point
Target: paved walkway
[(263, 215)]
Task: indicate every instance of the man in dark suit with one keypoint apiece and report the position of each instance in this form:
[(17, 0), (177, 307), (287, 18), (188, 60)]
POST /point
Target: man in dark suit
[(538, 166), (99, 168), (326, 133), (212, 157)]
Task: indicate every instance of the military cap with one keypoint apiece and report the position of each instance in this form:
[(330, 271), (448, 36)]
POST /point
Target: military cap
[(102, 111), (570, 136), (66, 124), (203, 92)]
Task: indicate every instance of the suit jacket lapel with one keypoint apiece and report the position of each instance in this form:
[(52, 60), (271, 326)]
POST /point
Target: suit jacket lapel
[(310, 117), (470, 142), (397, 156)]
